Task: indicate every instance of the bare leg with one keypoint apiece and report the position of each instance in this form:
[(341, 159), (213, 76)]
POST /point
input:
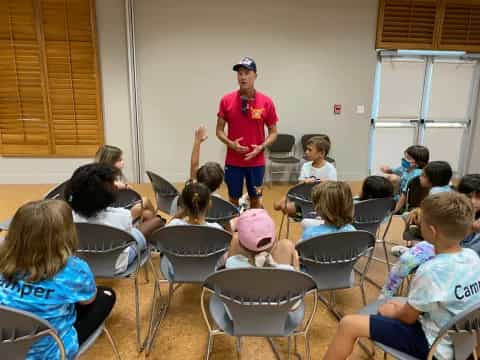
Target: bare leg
[(149, 226), (256, 203), (280, 204), (351, 327)]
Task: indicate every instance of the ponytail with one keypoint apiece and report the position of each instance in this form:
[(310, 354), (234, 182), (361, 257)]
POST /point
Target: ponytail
[(195, 199)]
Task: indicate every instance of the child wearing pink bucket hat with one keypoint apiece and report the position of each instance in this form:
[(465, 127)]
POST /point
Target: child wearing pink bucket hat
[(254, 243)]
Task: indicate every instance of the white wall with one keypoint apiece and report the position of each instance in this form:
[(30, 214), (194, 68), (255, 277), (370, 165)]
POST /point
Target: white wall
[(113, 68), (474, 163), (310, 54)]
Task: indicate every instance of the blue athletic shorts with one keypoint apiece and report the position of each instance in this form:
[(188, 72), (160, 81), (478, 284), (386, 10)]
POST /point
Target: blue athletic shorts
[(234, 176), (392, 332)]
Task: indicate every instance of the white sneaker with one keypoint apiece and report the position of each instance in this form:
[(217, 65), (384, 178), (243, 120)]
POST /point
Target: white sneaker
[(244, 203), (398, 250)]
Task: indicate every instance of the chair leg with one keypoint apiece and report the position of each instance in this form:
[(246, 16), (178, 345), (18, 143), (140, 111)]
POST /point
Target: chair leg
[(288, 226), (385, 250), (281, 226), (238, 347), (156, 325), (288, 347), (137, 314), (274, 348), (209, 346), (112, 342), (364, 298), (307, 347), (152, 324), (145, 271)]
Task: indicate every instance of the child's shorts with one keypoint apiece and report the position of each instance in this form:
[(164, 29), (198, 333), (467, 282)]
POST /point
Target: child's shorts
[(392, 332)]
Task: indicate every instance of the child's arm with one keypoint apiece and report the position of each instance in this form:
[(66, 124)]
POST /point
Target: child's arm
[(200, 136), (400, 311)]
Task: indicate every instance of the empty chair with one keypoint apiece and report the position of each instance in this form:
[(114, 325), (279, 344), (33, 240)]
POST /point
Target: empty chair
[(282, 152), (57, 192), (330, 260), (369, 215), (270, 305), (190, 254), (100, 246), (19, 330), (301, 194), (221, 211), (304, 140), (462, 329), (165, 192)]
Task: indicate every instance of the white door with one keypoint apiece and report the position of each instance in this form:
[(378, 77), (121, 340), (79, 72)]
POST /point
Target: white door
[(426, 100)]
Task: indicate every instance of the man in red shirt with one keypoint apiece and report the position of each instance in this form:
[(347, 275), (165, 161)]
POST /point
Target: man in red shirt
[(247, 112)]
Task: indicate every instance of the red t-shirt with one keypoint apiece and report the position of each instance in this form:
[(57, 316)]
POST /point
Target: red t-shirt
[(251, 126)]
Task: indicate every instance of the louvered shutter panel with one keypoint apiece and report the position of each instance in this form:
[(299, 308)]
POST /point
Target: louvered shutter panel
[(407, 24), (24, 128), (74, 93), (461, 26)]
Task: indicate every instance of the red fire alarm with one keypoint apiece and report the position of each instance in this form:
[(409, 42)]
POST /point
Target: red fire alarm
[(337, 109)]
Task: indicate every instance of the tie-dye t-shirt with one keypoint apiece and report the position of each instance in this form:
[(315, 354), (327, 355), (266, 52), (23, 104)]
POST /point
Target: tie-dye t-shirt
[(324, 229), (53, 300), (442, 288), (406, 177)]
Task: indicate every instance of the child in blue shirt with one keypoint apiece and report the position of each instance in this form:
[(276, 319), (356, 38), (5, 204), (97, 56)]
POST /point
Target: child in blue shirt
[(334, 204), (40, 274), (440, 289), (415, 159)]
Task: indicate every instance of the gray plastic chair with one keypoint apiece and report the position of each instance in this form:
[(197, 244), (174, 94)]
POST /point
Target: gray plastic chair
[(57, 192), (463, 330), (262, 302), (165, 192), (221, 211), (282, 152), (369, 215), (100, 246), (19, 330), (127, 198), (330, 260), (190, 254), (301, 194)]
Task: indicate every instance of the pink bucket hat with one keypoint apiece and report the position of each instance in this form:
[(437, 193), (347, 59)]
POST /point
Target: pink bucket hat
[(253, 226)]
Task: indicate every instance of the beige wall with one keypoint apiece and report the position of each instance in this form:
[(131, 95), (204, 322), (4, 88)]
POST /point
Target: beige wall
[(113, 68), (310, 54), (474, 163)]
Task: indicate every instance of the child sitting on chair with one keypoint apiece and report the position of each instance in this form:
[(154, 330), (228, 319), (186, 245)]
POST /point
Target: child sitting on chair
[(113, 156), (317, 168), (415, 159), (334, 205), (375, 187), (210, 174), (440, 289), (195, 199), (254, 243), (412, 258), (91, 192)]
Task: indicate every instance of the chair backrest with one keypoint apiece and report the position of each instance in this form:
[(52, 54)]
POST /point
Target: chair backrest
[(57, 192), (415, 193), (259, 299), (330, 258), (193, 250), (369, 214), (19, 330), (283, 144), (165, 192), (301, 194), (127, 198), (100, 246), (221, 211), (463, 330)]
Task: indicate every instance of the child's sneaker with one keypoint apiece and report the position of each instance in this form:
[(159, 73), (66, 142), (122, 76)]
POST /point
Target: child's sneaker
[(398, 250), (244, 203)]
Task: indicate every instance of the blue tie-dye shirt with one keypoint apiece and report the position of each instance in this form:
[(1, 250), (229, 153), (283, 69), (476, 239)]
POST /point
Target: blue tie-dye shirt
[(53, 300), (442, 288), (324, 229), (406, 176)]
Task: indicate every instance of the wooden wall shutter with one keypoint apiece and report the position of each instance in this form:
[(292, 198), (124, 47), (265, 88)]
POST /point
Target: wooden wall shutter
[(24, 127), (72, 71), (50, 103), (406, 24), (460, 28)]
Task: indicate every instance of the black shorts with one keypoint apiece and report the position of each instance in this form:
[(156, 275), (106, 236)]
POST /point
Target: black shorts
[(407, 338)]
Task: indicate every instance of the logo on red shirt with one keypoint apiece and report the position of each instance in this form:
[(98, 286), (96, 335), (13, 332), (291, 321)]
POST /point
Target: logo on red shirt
[(256, 113)]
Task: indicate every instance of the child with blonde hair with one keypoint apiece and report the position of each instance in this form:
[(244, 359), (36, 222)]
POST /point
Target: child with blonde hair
[(40, 274), (333, 203)]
